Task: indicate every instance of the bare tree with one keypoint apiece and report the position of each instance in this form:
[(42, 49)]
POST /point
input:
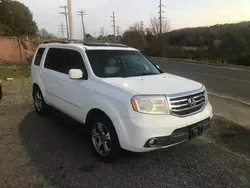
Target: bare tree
[(155, 26), (44, 34), (137, 26)]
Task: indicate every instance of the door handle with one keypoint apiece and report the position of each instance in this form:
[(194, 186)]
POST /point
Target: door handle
[(61, 83)]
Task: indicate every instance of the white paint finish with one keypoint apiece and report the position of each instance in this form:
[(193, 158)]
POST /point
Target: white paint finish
[(76, 97), (155, 84), (75, 74)]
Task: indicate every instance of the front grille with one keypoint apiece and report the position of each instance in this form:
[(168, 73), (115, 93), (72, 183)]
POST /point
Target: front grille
[(188, 104)]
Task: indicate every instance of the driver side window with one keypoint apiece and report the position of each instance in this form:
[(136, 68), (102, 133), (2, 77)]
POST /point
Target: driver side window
[(62, 60)]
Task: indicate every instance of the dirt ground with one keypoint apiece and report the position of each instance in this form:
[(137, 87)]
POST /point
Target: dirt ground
[(14, 52), (53, 152)]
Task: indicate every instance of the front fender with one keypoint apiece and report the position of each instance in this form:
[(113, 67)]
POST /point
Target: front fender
[(113, 109)]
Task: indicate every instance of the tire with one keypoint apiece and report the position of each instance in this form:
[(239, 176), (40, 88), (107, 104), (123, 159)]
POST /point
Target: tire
[(40, 106), (104, 139)]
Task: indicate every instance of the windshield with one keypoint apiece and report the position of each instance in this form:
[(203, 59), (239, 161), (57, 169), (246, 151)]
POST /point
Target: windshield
[(120, 63)]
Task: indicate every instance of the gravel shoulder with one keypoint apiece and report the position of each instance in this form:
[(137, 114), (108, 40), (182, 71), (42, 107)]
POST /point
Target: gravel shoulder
[(53, 152)]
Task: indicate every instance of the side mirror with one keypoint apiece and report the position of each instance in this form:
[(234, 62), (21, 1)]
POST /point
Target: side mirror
[(75, 74)]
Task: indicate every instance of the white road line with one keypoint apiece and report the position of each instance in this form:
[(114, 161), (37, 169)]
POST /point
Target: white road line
[(223, 77), (215, 76), (229, 98), (205, 65)]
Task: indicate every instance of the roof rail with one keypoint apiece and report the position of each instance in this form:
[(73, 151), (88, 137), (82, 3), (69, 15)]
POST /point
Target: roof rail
[(56, 41), (86, 43), (66, 41), (104, 44)]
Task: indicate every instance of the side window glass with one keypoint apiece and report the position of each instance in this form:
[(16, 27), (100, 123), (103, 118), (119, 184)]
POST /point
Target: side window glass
[(39, 56), (55, 59), (74, 60), (62, 60)]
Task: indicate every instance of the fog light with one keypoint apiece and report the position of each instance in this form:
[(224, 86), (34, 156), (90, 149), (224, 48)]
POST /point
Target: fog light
[(152, 142)]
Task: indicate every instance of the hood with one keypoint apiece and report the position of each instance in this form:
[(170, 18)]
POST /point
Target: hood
[(155, 84)]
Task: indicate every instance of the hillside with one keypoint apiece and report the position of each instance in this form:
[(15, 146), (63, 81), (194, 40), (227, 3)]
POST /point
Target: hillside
[(227, 43)]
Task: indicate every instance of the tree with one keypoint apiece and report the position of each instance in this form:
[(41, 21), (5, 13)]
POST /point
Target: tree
[(155, 26), (89, 35), (16, 19), (135, 37), (44, 34)]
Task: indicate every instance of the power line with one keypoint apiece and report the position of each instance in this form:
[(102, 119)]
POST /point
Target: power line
[(161, 17), (113, 22), (66, 18), (82, 13)]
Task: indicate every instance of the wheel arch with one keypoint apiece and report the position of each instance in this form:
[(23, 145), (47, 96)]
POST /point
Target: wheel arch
[(93, 113)]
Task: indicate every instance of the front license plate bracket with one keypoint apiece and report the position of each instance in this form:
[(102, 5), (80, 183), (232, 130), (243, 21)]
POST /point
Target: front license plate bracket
[(195, 132)]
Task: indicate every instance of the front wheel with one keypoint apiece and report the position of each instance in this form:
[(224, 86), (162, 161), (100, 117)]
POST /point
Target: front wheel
[(104, 139), (39, 103)]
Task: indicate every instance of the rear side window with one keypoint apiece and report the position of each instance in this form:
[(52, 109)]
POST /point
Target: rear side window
[(62, 60), (39, 56)]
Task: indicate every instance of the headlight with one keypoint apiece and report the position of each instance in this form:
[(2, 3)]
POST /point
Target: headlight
[(149, 104), (206, 95)]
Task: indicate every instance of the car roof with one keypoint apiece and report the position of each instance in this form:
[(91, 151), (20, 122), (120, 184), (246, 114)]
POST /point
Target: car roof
[(88, 46)]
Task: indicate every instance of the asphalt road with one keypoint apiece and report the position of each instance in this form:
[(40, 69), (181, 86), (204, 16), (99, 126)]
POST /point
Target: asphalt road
[(227, 82), (53, 151)]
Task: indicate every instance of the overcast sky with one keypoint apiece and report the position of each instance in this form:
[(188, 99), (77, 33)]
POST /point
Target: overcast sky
[(181, 13)]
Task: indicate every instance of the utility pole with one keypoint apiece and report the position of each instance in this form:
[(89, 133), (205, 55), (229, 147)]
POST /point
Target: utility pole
[(118, 30), (161, 17), (113, 22), (61, 29), (66, 18), (160, 36), (71, 29), (82, 13), (142, 26), (102, 31)]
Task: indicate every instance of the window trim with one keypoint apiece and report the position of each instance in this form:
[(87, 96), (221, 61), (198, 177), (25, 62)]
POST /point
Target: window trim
[(84, 69), (41, 56)]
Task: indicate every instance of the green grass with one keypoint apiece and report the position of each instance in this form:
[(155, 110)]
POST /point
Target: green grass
[(9, 71)]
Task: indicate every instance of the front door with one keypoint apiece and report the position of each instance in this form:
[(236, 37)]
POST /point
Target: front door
[(68, 94)]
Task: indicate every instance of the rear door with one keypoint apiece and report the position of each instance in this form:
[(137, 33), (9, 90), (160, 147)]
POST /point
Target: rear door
[(51, 76), (36, 65)]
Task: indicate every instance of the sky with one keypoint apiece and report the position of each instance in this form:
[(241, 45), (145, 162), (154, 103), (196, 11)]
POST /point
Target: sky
[(180, 13)]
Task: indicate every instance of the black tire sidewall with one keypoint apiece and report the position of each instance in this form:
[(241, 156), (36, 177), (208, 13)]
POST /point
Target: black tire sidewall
[(115, 146), (43, 110)]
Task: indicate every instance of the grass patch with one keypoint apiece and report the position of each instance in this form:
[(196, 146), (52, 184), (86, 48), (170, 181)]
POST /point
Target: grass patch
[(7, 71)]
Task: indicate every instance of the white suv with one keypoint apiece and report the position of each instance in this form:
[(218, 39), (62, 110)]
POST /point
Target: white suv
[(124, 99)]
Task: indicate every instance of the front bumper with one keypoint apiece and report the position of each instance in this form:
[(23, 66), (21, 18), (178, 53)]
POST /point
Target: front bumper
[(180, 135), (134, 133)]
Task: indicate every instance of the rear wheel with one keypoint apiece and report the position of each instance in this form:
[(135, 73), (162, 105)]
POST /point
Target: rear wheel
[(39, 103), (104, 139)]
